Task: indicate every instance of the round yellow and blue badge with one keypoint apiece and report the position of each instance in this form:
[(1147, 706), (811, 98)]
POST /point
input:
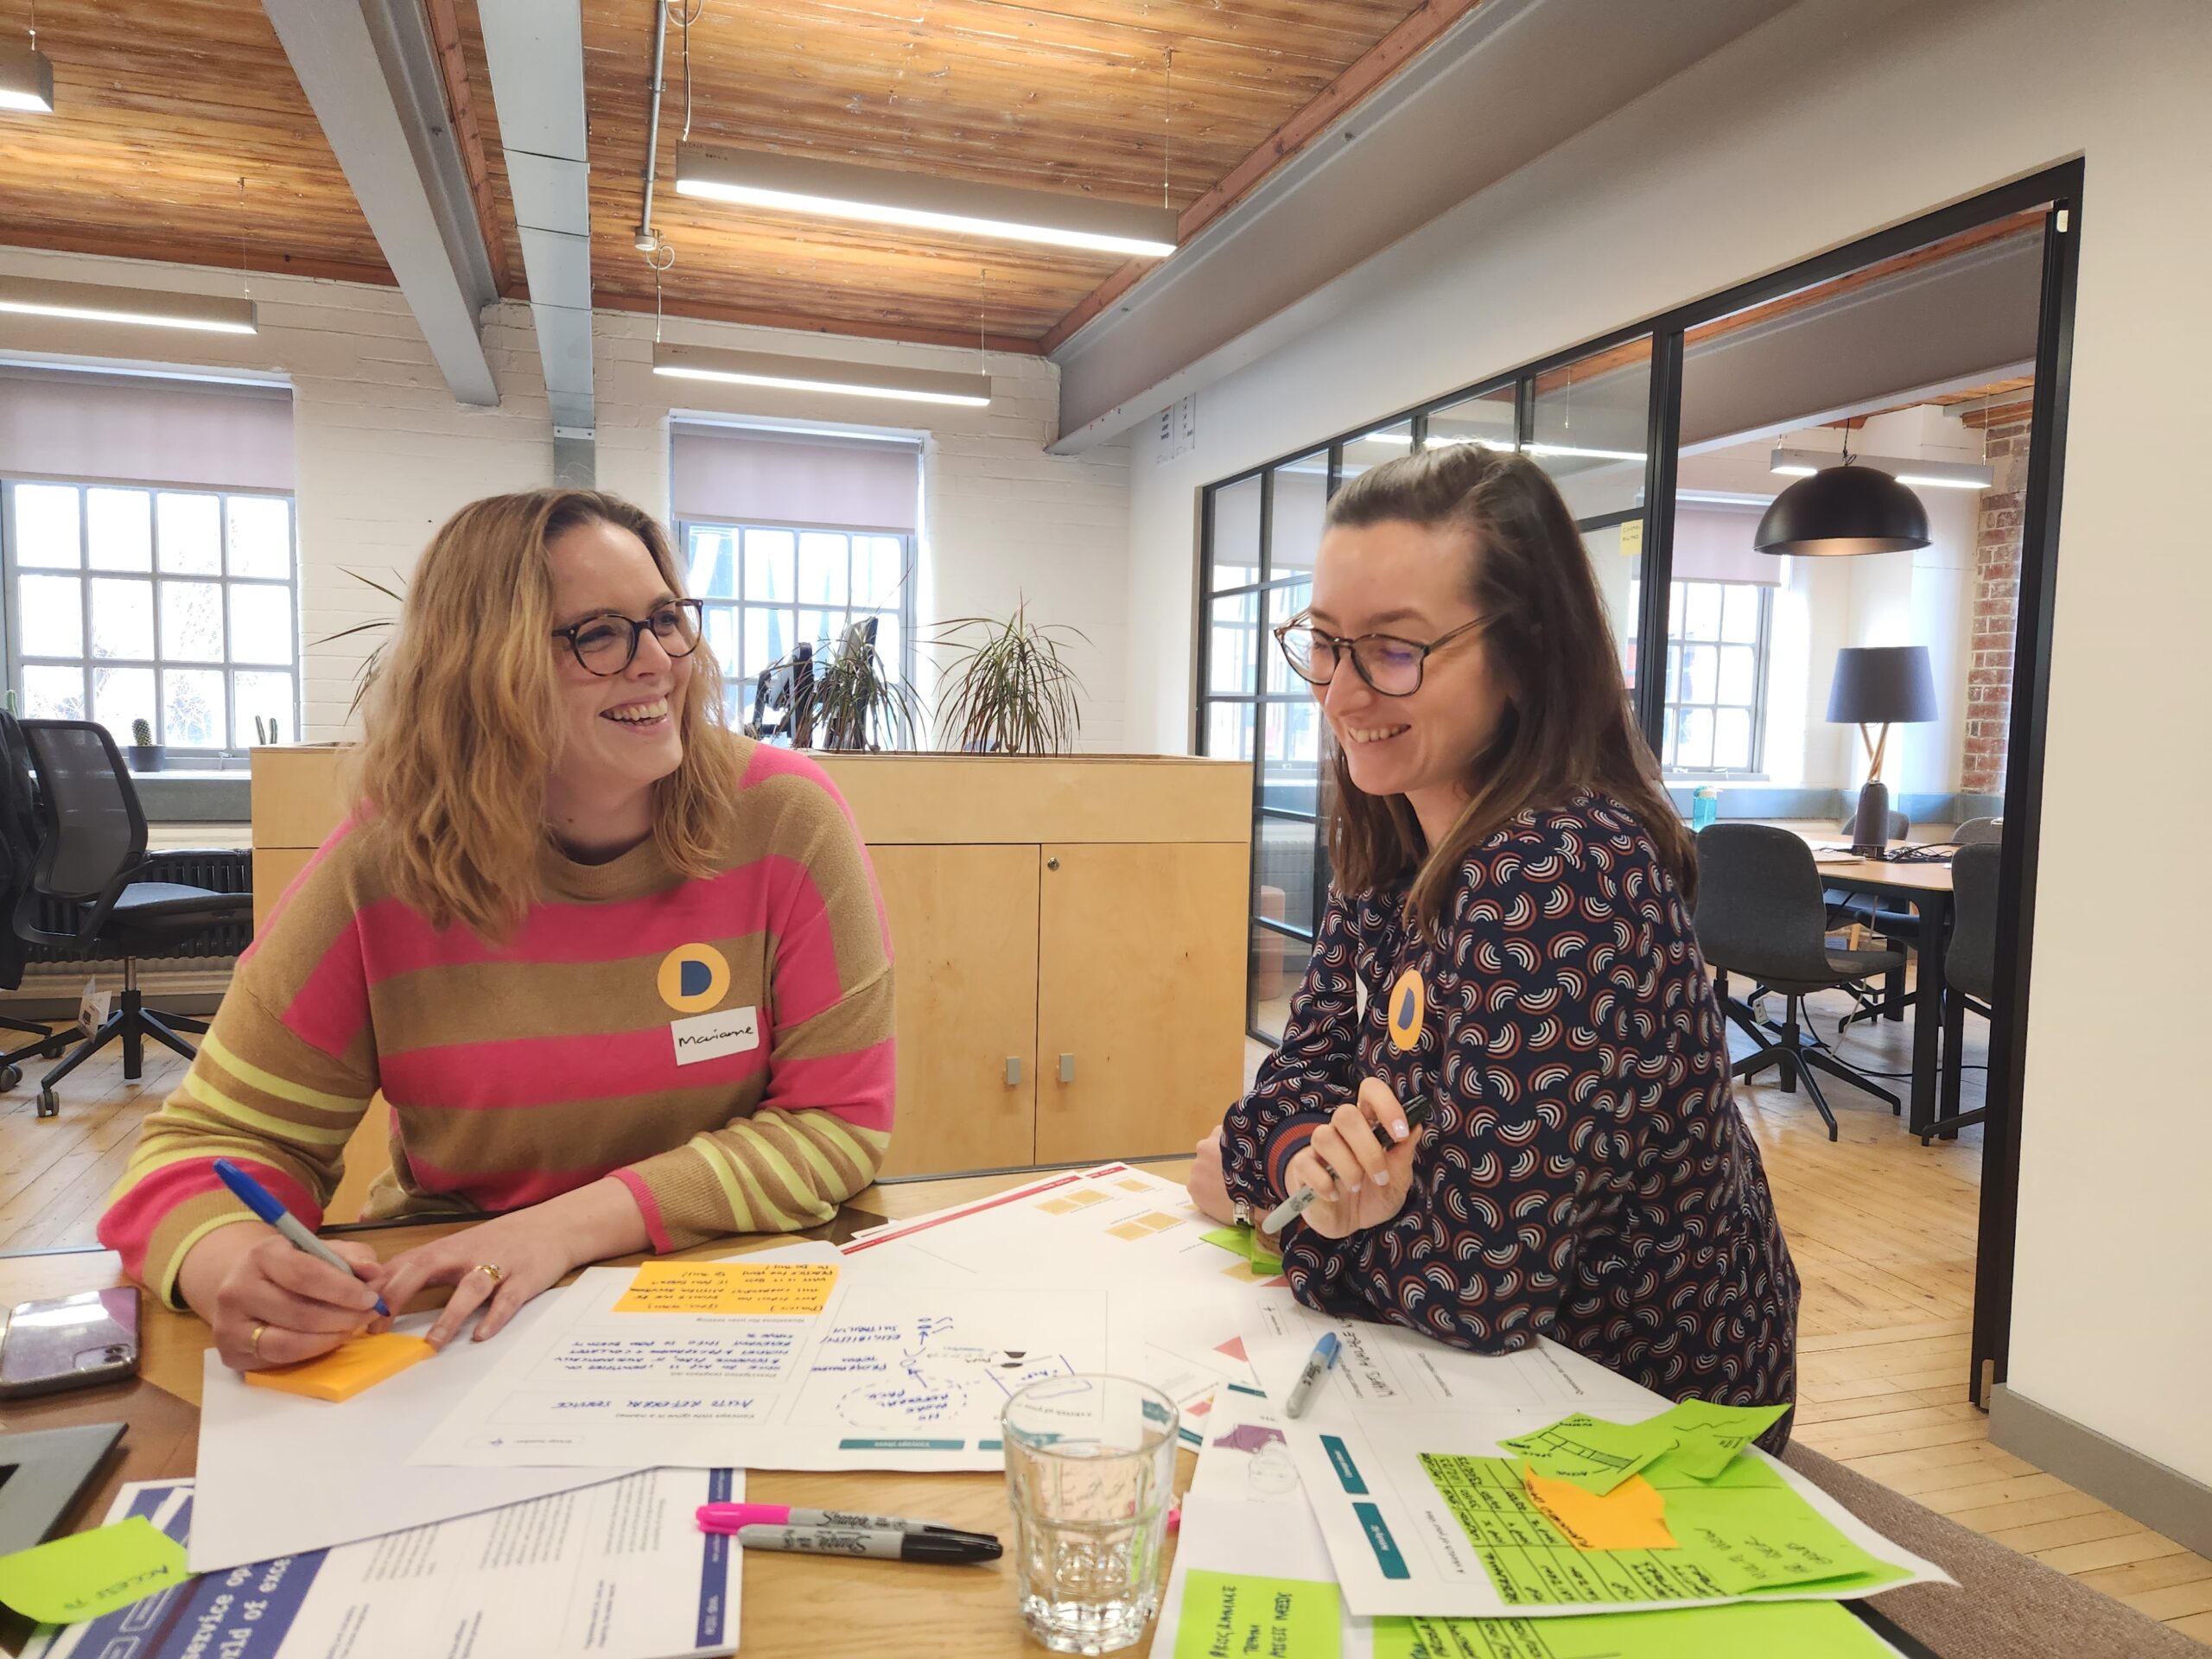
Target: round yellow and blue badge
[(694, 978), (1408, 1009)]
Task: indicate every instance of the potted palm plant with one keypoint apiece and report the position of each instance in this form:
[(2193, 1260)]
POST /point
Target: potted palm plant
[(1007, 689), (364, 676), (144, 754), (847, 698)]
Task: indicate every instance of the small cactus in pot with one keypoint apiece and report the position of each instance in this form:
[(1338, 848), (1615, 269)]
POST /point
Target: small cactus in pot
[(144, 754)]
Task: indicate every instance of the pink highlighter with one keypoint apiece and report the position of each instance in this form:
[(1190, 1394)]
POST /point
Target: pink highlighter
[(729, 1517)]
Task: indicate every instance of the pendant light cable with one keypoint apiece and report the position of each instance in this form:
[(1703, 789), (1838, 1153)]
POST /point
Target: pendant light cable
[(662, 256), (684, 17), (1167, 129)]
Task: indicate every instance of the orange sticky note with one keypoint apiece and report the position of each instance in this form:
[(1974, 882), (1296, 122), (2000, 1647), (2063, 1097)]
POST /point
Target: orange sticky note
[(739, 1287), (347, 1368), (1632, 1515)]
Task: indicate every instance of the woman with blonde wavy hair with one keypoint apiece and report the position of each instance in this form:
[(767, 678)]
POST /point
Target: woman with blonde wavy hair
[(621, 975)]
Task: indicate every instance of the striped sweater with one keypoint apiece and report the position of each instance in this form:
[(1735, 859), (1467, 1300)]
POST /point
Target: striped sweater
[(721, 1047)]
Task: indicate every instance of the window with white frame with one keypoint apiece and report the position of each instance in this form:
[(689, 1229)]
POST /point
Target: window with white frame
[(769, 587), (176, 607), (1717, 643)]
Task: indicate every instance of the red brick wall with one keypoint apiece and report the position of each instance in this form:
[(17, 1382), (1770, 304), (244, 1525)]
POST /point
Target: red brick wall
[(1996, 603)]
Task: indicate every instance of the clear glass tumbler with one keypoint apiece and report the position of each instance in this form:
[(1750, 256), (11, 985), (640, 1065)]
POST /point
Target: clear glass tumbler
[(1090, 1473)]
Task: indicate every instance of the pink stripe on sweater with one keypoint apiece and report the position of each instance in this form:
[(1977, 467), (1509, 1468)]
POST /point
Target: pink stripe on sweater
[(770, 762), (397, 939), (649, 1207), (128, 1226), (332, 1004), (857, 1087)]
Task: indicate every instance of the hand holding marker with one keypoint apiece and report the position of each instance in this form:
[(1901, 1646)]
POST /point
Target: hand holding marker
[(259, 1199), (1291, 1208)]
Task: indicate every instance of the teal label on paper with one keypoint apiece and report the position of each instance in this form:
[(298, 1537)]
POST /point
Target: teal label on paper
[(1380, 1541), (901, 1445), (1347, 1471), (991, 1446)]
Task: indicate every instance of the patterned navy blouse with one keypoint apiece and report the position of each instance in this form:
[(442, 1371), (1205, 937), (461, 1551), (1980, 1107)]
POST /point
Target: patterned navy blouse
[(1584, 1175)]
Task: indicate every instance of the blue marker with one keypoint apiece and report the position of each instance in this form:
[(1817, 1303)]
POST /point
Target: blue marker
[(1323, 1361), (259, 1199)]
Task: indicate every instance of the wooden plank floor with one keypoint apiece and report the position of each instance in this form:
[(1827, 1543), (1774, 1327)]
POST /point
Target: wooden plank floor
[(1882, 1231)]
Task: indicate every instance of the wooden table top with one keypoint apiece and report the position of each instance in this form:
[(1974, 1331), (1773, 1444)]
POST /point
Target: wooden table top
[(825, 1608), (1863, 872)]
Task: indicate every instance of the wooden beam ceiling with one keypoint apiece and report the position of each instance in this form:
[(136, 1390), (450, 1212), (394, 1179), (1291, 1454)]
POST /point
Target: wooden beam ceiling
[(161, 106)]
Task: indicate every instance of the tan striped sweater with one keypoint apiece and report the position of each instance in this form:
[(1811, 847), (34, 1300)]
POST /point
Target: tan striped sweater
[(722, 1046)]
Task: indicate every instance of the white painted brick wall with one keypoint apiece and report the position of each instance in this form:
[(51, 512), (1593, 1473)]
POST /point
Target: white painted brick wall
[(384, 454)]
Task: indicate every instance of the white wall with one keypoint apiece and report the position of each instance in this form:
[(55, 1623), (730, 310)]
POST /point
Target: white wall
[(1721, 175), (384, 454)]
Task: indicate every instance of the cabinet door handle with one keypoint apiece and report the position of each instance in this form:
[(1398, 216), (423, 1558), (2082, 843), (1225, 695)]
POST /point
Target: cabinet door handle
[(1067, 1068), (1052, 863), (1012, 1069)]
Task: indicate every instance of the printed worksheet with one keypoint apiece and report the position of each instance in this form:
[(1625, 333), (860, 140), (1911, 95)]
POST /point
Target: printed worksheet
[(803, 1362), (614, 1571), (1253, 1575), (1426, 1511)]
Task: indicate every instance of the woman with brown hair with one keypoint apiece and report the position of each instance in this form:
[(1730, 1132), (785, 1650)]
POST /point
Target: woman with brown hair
[(1508, 934), (621, 975)]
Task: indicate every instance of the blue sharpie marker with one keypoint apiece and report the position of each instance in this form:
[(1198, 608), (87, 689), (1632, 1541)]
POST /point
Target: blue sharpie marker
[(259, 1199)]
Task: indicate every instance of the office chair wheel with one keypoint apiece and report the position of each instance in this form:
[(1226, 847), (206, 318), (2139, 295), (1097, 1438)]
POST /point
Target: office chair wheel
[(49, 1103), (9, 1077)]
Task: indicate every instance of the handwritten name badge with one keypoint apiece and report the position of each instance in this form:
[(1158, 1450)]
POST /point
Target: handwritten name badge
[(710, 1036)]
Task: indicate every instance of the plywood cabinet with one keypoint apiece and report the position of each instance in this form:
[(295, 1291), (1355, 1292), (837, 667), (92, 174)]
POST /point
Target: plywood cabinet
[(1069, 934), (1140, 971)]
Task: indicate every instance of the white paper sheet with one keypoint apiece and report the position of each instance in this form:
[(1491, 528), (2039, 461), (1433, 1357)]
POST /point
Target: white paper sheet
[(280, 1473), (892, 1374), (615, 1570), (1396, 1396)]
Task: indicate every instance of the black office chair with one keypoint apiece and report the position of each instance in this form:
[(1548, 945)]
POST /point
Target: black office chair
[(92, 852), (1969, 973), (18, 851), (1759, 914)]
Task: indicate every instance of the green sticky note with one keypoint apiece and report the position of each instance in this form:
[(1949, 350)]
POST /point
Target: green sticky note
[(1709, 1437), (1590, 1452), (1803, 1629), (88, 1573), (1245, 1242), (1748, 1540), (1237, 1615)]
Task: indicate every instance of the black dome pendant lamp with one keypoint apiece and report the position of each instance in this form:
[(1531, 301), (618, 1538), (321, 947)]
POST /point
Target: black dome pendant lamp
[(1843, 510)]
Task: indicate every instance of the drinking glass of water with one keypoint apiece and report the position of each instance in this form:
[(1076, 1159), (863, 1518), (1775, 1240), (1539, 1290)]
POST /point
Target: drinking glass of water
[(1089, 1473)]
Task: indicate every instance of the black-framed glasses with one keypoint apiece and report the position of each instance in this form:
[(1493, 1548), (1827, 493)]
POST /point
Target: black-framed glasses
[(606, 644), (1392, 666)]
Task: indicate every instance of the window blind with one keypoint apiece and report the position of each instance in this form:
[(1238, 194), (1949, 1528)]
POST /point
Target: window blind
[(58, 423), (1714, 544), (742, 475)]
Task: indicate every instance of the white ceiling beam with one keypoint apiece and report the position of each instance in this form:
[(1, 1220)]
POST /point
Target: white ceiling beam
[(367, 69), (535, 49), (1510, 81)]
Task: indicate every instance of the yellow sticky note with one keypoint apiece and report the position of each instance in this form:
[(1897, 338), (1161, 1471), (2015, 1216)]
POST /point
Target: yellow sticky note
[(88, 1573), (730, 1287), (1631, 1516), (347, 1368)]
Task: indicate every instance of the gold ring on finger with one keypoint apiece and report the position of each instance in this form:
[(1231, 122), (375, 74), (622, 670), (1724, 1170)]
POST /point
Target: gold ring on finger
[(498, 1274), (253, 1343)]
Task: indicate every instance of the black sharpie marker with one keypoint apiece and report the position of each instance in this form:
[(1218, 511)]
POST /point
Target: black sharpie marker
[(874, 1545)]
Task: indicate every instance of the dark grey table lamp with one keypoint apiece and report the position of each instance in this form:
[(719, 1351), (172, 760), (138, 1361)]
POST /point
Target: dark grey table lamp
[(1879, 685)]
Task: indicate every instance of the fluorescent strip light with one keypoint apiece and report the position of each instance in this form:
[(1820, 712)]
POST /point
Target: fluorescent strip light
[(1571, 450), (1934, 474), (26, 79), (811, 374), (140, 307), (805, 184)]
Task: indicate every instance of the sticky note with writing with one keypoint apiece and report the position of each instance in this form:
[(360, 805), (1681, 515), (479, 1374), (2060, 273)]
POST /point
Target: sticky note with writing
[(1631, 1516), (1238, 1616), (730, 1287), (87, 1574)]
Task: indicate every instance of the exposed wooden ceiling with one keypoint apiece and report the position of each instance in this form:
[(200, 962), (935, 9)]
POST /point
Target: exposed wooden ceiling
[(162, 105)]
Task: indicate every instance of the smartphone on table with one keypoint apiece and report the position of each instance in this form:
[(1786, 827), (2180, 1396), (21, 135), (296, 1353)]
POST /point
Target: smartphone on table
[(73, 1342)]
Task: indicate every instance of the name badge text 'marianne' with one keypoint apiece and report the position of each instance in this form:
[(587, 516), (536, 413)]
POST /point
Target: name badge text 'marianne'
[(710, 1036)]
